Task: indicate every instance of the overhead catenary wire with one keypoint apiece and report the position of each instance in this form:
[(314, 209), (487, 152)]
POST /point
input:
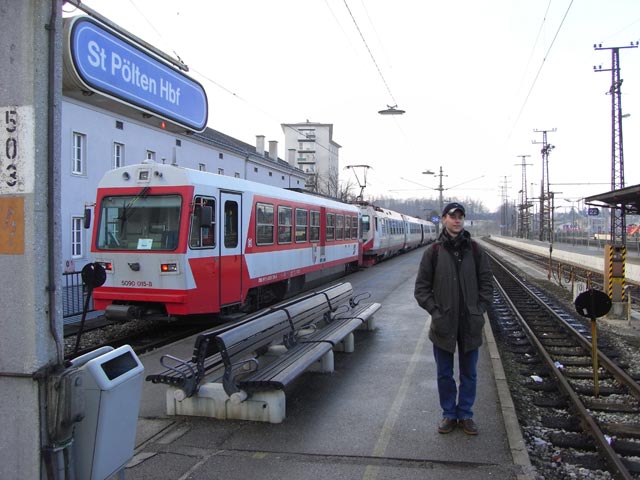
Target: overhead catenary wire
[(370, 53), (544, 59)]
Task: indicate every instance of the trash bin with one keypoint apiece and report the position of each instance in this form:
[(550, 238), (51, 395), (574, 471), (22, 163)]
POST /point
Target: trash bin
[(105, 439)]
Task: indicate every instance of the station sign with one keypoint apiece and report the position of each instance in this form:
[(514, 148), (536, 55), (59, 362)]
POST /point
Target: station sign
[(593, 211), (106, 62)]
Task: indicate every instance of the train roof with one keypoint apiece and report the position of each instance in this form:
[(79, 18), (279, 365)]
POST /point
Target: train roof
[(150, 174)]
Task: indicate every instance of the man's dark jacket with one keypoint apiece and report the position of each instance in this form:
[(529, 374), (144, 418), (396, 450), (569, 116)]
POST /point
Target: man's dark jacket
[(456, 296)]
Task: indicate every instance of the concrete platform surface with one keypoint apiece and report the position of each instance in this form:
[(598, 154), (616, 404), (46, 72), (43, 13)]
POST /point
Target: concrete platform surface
[(375, 417)]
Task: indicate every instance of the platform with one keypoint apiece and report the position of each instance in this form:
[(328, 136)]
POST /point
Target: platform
[(374, 417)]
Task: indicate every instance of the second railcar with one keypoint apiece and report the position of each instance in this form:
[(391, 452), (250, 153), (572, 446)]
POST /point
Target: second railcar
[(386, 233)]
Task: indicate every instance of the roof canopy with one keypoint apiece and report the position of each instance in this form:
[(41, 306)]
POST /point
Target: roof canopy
[(627, 198)]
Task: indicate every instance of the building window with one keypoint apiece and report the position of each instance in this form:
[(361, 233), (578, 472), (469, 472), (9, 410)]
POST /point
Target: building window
[(79, 152), (76, 237), (221, 171), (202, 167), (282, 177), (271, 174), (151, 155), (220, 156), (119, 125), (118, 155), (178, 142), (255, 169)]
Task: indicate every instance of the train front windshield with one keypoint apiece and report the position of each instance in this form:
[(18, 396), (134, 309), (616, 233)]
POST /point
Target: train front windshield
[(139, 222)]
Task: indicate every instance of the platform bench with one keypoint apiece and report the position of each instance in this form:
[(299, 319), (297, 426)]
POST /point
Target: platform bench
[(288, 358), (206, 361), (260, 358)]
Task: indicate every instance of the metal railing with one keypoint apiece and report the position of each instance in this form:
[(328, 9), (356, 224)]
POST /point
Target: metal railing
[(74, 294)]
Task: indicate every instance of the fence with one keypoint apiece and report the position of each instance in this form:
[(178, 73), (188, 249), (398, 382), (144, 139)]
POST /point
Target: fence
[(74, 295)]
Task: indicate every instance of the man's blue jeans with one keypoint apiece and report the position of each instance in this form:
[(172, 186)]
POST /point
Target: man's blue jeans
[(456, 403)]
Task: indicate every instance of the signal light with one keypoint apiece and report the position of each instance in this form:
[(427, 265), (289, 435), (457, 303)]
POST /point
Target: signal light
[(168, 267), (163, 125), (108, 266)]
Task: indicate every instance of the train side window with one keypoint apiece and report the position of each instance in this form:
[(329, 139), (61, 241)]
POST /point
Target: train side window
[(285, 224), (331, 226), (301, 225), (354, 227), (264, 224), (314, 226), (231, 221), (202, 233), (339, 227)]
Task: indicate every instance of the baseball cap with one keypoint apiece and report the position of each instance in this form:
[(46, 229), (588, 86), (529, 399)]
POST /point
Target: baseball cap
[(452, 207)]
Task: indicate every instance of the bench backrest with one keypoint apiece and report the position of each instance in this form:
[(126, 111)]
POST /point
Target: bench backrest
[(205, 345), (253, 335), (308, 311), (338, 294)]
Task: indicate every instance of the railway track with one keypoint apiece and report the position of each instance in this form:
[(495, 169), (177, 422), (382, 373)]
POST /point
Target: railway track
[(591, 422)]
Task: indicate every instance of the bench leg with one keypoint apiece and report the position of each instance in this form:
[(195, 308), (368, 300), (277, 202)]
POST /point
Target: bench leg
[(324, 365), (369, 324), (347, 344), (212, 401)]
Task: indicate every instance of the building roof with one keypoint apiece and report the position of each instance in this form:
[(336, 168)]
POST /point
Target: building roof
[(627, 198), (214, 137)]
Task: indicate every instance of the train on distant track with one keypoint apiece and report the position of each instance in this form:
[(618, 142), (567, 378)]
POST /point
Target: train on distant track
[(179, 242)]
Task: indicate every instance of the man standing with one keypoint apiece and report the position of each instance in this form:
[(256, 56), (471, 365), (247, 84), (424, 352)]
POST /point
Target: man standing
[(454, 284)]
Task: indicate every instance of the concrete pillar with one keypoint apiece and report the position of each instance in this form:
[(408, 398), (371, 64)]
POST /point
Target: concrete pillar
[(30, 307)]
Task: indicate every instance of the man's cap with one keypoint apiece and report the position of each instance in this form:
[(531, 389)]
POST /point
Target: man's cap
[(452, 207)]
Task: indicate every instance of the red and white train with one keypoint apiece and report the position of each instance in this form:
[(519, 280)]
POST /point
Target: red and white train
[(177, 242)]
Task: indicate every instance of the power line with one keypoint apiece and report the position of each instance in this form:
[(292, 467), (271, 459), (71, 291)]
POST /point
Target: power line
[(370, 53), (544, 59)]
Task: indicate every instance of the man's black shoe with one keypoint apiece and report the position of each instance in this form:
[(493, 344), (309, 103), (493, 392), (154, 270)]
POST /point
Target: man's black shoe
[(469, 426), (446, 425)]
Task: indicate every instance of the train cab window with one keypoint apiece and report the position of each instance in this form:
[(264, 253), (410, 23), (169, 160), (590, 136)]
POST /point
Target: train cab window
[(285, 224), (139, 222), (365, 222), (264, 224), (339, 227), (331, 226), (202, 233), (301, 225), (314, 226), (231, 223)]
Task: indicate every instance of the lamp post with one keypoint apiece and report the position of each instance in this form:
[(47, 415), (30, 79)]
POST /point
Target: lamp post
[(440, 189)]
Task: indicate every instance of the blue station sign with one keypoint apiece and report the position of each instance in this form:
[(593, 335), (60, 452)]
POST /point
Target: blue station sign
[(108, 63)]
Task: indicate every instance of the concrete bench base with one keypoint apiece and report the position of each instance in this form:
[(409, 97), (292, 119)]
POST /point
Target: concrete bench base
[(213, 402)]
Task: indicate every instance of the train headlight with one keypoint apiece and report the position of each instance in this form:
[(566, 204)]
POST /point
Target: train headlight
[(168, 267), (108, 266)]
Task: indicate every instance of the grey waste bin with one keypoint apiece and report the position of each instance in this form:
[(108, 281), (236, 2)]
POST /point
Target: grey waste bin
[(105, 439)]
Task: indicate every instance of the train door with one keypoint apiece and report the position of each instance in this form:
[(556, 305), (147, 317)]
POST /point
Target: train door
[(230, 248)]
